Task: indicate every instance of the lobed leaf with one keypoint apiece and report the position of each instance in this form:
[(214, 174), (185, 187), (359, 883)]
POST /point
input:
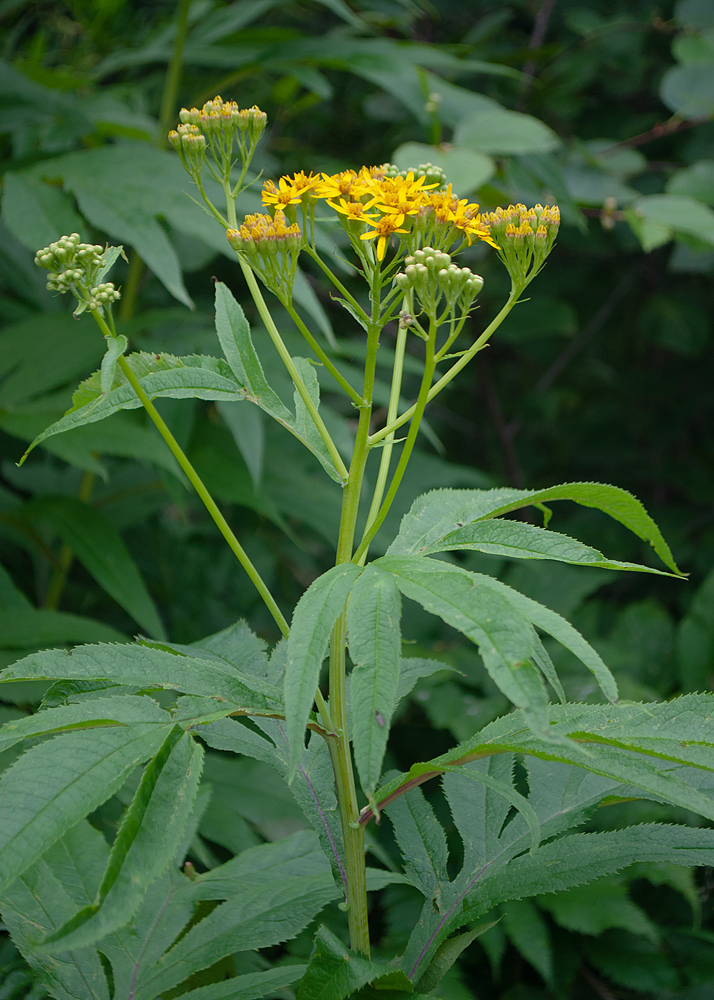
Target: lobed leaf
[(146, 843)]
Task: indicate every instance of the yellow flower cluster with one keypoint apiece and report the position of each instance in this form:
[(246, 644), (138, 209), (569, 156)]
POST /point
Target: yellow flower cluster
[(260, 228), (271, 245), (373, 205), (524, 237)]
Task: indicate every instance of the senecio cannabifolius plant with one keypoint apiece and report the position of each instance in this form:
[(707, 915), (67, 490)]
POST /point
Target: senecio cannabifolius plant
[(127, 918)]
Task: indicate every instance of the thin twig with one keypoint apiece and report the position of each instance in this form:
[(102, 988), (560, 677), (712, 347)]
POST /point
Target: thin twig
[(658, 131)]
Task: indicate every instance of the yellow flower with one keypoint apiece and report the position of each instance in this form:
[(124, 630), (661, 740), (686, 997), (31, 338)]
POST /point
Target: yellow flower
[(383, 229), (341, 185), (290, 190), (354, 211)]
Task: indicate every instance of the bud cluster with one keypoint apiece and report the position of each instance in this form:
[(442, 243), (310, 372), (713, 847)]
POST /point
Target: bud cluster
[(76, 267), (434, 175), (219, 124), (432, 277), (271, 246), (525, 237)]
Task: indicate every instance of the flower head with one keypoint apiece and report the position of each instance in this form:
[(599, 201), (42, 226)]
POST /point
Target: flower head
[(524, 237), (271, 245)]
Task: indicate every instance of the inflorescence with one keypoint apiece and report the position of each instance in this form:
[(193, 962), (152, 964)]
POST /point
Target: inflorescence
[(76, 267)]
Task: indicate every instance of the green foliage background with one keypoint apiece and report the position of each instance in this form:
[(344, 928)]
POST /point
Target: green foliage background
[(605, 375)]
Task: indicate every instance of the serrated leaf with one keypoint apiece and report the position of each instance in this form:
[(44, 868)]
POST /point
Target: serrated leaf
[(422, 842), (113, 711), (434, 515), (147, 840), (160, 376), (503, 636), (334, 972), (315, 614), (477, 809), (375, 643), (518, 540), (527, 929), (446, 955), (150, 668), (54, 785), (234, 334), (101, 550), (249, 987), (259, 918)]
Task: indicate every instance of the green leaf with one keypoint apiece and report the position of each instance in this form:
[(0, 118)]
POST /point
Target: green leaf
[(375, 643), (24, 628), (465, 169), (259, 918), (234, 334), (527, 929), (435, 515), (153, 668), (679, 213), (249, 987), (147, 841), (334, 972), (446, 955), (99, 547), (44, 897), (503, 636), (246, 426), (112, 711), (35, 212), (582, 857), (688, 90), (478, 809), (316, 612), (597, 907), (54, 785), (509, 794), (518, 540), (116, 346), (422, 842), (496, 130), (160, 376)]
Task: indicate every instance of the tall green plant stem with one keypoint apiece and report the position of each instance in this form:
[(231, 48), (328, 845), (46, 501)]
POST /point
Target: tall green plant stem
[(478, 345), (418, 410), (197, 483), (352, 832), (282, 350)]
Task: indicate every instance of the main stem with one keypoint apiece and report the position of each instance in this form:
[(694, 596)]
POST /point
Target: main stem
[(352, 831)]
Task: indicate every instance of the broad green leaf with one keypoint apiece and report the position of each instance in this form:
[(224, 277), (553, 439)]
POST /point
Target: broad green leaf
[(246, 426), (529, 932), (678, 212), (112, 711), (11, 597), (601, 905), (315, 614), (249, 987), (31, 363), (160, 376), (518, 540), (688, 90), (99, 547), (435, 515), (37, 213), (44, 897), (334, 972), (23, 628), (147, 840), (69, 776), (422, 842), (150, 668), (496, 130), (503, 636), (375, 643), (465, 169), (258, 918)]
